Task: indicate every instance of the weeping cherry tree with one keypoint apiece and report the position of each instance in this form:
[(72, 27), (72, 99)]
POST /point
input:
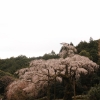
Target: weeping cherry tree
[(34, 80)]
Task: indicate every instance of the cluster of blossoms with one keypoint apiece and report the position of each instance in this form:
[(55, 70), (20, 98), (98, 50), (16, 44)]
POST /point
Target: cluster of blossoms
[(35, 78), (67, 50), (80, 64)]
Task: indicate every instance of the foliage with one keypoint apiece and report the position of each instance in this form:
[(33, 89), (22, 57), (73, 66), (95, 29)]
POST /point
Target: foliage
[(13, 64), (94, 93), (5, 79), (51, 55), (81, 97), (36, 80), (84, 83), (83, 45), (91, 48), (2, 73), (57, 90), (4, 82), (87, 81), (85, 53), (94, 55), (71, 43), (98, 61), (33, 79)]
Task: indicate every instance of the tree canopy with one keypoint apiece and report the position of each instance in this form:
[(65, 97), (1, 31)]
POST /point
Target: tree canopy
[(41, 73)]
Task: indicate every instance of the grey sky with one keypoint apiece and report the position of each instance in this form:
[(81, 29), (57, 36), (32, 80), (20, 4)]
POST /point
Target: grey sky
[(36, 27)]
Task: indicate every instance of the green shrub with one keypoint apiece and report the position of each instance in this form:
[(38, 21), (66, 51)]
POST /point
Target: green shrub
[(2, 73), (4, 82), (94, 93)]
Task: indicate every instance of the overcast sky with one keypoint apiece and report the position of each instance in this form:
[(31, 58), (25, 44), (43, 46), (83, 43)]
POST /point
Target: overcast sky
[(36, 27)]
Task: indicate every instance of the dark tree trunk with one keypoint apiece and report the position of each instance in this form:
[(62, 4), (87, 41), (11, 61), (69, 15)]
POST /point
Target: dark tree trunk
[(68, 91)]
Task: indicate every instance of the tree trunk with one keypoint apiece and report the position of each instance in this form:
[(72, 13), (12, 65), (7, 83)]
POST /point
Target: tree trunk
[(68, 93), (74, 90), (55, 87), (48, 91), (68, 86)]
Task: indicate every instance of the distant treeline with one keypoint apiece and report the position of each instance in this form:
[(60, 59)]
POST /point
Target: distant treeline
[(12, 64), (88, 49)]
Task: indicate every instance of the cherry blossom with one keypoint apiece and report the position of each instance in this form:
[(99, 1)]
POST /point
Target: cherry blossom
[(35, 78)]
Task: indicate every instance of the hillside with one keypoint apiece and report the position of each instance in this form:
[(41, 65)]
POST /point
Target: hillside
[(99, 47), (90, 49), (5, 79), (30, 76), (2, 73), (37, 80)]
